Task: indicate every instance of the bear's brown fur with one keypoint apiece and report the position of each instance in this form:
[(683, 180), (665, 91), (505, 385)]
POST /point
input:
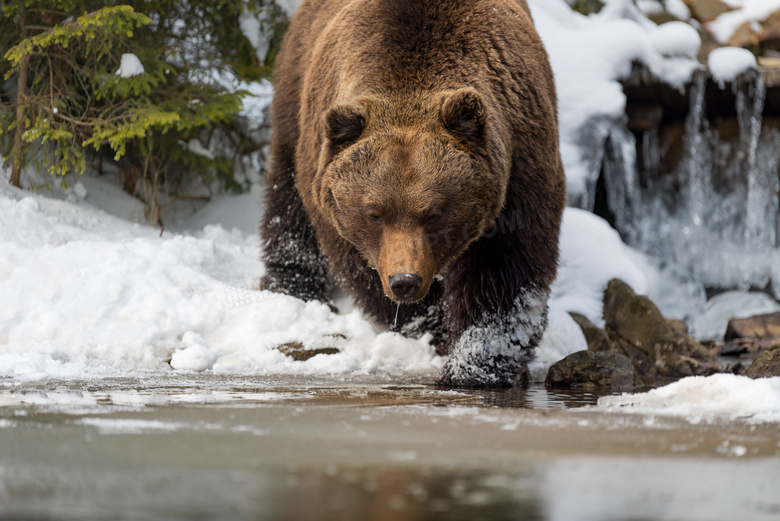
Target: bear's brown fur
[(415, 156)]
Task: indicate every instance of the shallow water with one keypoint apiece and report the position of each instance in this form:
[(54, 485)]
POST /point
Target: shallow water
[(200, 447)]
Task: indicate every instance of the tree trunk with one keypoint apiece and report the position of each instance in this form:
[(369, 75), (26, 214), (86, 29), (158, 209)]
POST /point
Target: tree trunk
[(16, 169)]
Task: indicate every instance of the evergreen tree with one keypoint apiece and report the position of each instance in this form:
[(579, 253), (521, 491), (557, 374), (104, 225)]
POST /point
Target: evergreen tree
[(145, 79)]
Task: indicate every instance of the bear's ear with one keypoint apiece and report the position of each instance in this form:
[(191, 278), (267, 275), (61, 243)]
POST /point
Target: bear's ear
[(463, 115), (344, 124)]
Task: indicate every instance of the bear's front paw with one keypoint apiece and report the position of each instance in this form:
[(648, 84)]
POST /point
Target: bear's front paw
[(496, 351), (487, 373)]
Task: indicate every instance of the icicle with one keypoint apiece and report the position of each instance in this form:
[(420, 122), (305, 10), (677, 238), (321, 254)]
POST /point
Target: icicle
[(759, 226), (695, 141), (651, 154)]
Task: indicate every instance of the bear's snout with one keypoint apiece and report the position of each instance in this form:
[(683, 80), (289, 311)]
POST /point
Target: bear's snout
[(405, 285), (406, 265)]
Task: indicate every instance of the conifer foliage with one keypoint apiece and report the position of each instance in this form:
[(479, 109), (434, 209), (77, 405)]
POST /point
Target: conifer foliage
[(144, 79)]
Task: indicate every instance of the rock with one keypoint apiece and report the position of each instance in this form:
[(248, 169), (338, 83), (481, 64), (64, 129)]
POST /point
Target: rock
[(299, 353), (706, 10), (757, 326), (587, 7), (679, 326), (769, 38), (655, 345), (596, 337), (769, 62), (593, 368), (741, 346), (734, 348), (744, 37), (765, 365)]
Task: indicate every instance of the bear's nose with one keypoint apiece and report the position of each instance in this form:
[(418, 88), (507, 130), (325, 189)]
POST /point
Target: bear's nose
[(405, 285)]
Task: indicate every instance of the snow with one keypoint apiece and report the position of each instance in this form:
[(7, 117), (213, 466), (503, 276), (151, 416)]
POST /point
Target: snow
[(195, 356), (91, 294), (251, 27), (745, 11), (711, 398), (130, 66), (676, 39), (289, 6), (678, 9), (726, 63), (592, 254)]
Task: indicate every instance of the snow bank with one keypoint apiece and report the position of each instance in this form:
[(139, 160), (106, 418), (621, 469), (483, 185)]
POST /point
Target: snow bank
[(86, 293), (726, 63), (697, 398), (592, 254)]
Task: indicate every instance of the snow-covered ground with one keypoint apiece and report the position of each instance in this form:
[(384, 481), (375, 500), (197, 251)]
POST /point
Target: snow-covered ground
[(90, 293), (86, 292)]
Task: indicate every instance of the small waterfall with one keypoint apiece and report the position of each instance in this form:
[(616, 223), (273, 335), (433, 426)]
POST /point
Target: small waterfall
[(713, 209)]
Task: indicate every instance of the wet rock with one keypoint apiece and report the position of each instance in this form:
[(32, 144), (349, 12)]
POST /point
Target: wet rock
[(765, 365), (656, 346), (299, 353), (734, 348), (757, 326), (596, 338), (742, 346), (585, 368)]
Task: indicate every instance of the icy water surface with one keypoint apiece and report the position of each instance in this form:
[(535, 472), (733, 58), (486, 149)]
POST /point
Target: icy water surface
[(199, 447)]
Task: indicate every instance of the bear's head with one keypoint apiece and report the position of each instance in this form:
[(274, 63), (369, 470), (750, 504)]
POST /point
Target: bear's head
[(410, 182)]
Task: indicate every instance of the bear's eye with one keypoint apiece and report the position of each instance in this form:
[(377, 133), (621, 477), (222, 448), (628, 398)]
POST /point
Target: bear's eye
[(374, 217), (433, 218)]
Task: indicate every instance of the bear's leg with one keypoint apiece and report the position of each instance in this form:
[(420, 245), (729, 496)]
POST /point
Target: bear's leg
[(294, 264), (493, 317)]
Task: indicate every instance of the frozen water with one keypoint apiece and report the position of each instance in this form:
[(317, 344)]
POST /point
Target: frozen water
[(721, 231)]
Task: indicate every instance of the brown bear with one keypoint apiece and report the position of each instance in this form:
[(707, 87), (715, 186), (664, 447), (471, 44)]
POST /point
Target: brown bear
[(415, 162)]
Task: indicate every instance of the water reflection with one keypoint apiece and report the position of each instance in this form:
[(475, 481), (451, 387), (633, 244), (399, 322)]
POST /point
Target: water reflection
[(409, 495), (537, 396)]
